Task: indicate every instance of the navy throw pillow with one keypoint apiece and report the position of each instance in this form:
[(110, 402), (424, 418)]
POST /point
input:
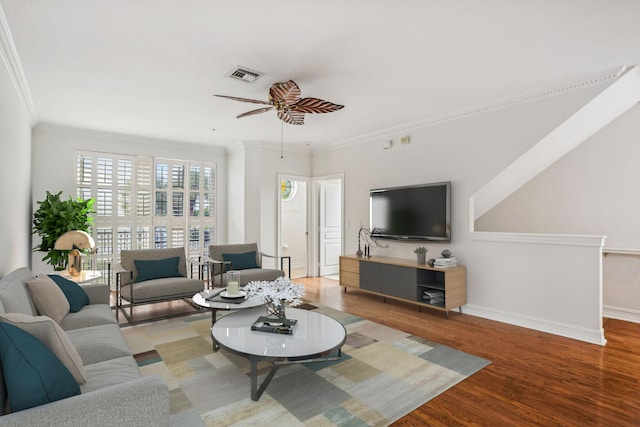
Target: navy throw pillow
[(157, 268), (76, 296), (33, 374), (242, 261)]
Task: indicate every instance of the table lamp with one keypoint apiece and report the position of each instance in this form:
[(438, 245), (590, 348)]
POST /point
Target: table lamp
[(73, 241)]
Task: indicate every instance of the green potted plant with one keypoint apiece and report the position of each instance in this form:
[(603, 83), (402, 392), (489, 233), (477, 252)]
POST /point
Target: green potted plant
[(55, 217), (421, 251)]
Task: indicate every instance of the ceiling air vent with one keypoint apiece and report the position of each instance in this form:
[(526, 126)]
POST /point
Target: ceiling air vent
[(244, 74)]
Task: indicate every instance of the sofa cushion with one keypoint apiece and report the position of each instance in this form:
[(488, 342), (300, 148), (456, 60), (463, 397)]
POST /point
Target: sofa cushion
[(110, 372), (99, 343), (48, 298), (242, 261), (74, 293), (156, 269), (90, 315), (33, 374), (51, 335), (162, 288), (14, 294)]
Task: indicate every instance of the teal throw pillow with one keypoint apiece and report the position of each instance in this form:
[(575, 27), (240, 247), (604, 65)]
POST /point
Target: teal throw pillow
[(157, 268), (242, 261), (32, 373), (76, 296)]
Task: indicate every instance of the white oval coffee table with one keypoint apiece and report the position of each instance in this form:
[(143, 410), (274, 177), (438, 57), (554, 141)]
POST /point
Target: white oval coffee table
[(316, 338)]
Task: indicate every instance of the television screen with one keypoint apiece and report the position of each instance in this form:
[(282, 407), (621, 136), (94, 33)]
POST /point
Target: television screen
[(420, 212)]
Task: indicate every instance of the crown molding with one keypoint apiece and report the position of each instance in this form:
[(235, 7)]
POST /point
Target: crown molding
[(609, 76), (9, 56)]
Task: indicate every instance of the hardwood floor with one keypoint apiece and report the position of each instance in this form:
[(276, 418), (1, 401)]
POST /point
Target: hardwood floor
[(535, 379)]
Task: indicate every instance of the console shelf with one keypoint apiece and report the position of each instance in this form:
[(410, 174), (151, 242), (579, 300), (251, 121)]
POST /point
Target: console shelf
[(405, 280)]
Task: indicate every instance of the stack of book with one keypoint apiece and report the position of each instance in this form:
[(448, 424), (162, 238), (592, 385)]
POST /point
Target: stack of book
[(446, 262), (433, 296)]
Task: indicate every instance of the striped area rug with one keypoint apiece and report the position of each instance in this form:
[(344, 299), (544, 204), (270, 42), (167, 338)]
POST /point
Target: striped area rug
[(383, 374)]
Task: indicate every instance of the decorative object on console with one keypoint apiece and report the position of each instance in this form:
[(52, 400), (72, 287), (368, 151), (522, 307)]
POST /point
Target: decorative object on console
[(275, 294), (365, 234), (421, 251), (450, 261), (431, 262), (285, 99), (446, 253), (76, 241)]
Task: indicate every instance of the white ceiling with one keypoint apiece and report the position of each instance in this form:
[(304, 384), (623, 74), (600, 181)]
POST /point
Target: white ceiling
[(150, 67)]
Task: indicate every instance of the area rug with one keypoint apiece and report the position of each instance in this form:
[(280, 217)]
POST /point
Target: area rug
[(383, 375)]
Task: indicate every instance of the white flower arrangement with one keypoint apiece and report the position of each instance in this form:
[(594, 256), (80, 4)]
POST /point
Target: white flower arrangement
[(276, 292)]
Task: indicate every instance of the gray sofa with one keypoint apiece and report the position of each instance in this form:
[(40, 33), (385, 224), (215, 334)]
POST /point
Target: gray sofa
[(219, 264), (175, 284), (115, 393)]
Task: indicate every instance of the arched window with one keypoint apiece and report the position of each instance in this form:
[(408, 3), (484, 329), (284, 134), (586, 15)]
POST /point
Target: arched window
[(287, 189)]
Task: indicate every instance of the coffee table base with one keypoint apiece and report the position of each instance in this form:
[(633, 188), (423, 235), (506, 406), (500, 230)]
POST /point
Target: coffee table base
[(256, 391)]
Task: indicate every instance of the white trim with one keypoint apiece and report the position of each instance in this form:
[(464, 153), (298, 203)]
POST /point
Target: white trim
[(12, 62), (541, 239), (621, 251), (621, 313), (126, 138), (609, 76), (592, 336)]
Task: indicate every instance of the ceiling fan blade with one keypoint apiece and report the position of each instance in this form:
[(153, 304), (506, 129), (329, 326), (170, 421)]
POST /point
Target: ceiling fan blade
[(252, 112), (288, 92), (253, 101), (291, 117), (315, 105)]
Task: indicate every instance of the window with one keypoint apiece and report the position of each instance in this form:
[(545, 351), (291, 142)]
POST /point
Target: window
[(143, 203)]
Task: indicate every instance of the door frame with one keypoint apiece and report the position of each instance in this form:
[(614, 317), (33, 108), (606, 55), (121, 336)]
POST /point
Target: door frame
[(308, 181), (315, 220)]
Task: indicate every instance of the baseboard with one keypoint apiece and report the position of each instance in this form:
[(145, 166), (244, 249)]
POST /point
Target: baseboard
[(621, 313), (582, 334)]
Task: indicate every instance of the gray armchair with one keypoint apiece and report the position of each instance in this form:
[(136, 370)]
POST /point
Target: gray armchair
[(156, 282), (245, 258)]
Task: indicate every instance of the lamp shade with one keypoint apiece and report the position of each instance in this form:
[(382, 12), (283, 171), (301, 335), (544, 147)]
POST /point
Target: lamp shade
[(74, 239)]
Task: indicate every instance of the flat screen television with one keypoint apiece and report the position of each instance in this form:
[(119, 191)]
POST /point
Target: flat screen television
[(419, 212)]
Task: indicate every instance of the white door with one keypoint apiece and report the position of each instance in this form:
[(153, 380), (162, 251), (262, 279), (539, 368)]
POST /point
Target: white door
[(330, 232)]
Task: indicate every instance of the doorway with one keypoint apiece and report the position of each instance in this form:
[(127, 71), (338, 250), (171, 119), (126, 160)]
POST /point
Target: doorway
[(328, 229), (310, 217), (294, 233)]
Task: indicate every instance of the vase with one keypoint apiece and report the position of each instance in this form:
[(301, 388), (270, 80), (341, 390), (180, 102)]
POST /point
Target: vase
[(422, 258), (275, 310)]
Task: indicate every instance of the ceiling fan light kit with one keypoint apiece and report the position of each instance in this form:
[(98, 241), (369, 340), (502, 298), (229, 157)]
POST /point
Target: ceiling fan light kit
[(285, 99)]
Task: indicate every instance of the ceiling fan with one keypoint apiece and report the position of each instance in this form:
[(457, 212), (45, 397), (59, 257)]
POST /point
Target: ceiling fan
[(285, 99)]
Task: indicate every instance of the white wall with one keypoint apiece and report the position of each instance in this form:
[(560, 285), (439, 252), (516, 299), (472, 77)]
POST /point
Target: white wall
[(589, 191), (15, 174), (53, 162), (469, 152), (235, 209)]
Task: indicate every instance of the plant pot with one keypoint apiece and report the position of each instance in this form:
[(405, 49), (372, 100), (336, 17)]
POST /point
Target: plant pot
[(422, 258)]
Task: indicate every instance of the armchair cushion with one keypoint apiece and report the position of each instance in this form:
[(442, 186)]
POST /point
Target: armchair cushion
[(76, 296), (242, 261), (33, 374), (157, 268)]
